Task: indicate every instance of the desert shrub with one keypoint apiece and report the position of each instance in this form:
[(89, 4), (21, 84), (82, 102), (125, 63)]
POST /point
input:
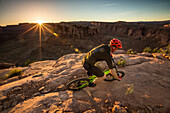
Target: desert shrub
[(28, 62), (168, 49), (14, 72), (158, 51), (155, 50), (121, 62), (130, 51), (161, 50), (147, 49)]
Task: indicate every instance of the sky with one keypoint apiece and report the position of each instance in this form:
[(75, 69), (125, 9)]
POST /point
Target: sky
[(19, 11)]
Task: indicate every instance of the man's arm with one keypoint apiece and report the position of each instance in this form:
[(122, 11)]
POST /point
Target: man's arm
[(114, 73)]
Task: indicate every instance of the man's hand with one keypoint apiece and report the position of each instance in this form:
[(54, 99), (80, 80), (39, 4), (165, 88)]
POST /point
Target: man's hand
[(114, 73), (120, 78)]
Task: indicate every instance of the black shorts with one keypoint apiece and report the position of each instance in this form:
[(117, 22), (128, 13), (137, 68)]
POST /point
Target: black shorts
[(92, 70)]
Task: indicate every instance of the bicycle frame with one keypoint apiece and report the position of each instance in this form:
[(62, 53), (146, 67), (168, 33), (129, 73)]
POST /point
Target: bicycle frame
[(92, 78), (84, 85)]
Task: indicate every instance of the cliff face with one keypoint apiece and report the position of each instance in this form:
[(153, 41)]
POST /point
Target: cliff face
[(22, 42), (150, 33), (19, 43)]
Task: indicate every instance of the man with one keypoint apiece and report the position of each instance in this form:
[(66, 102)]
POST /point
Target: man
[(102, 52)]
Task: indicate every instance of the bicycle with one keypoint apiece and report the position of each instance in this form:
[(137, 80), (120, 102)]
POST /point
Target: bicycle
[(80, 83)]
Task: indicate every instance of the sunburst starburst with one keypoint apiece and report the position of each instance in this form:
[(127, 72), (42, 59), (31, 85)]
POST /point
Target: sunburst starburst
[(39, 22)]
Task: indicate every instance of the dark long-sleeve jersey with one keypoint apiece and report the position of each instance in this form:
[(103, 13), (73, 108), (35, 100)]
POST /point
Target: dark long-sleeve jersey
[(99, 53)]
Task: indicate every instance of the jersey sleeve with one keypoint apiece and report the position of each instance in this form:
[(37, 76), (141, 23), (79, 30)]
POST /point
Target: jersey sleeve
[(110, 63)]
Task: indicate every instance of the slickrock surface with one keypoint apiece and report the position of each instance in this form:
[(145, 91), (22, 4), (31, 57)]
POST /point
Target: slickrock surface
[(41, 88)]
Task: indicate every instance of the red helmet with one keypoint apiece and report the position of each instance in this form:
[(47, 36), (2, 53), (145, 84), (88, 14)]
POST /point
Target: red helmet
[(116, 43)]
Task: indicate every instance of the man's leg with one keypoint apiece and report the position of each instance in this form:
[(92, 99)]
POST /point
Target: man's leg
[(96, 71), (89, 74), (87, 67), (100, 75), (99, 79)]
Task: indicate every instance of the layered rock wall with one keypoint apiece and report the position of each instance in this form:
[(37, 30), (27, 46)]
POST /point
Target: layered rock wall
[(150, 33), (18, 43)]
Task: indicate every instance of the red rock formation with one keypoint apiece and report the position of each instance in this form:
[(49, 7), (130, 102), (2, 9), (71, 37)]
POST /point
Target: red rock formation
[(41, 87), (18, 45)]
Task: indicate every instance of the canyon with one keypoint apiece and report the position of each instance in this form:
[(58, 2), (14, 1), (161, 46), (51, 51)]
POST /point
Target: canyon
[(21, 42)]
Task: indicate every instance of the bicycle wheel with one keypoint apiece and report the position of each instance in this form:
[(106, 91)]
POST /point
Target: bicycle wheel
[(78, 84), (111, 78)]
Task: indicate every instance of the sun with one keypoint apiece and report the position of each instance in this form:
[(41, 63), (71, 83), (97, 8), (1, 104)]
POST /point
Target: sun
[(39, 22)]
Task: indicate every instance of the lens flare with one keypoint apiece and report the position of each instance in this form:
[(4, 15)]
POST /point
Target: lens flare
[(39, 22), (43, 28)]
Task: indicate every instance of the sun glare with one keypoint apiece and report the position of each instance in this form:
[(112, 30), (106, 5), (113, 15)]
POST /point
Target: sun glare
[(39, 22)]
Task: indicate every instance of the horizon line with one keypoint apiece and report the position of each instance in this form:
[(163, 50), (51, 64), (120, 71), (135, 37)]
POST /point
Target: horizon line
[(82, 21)]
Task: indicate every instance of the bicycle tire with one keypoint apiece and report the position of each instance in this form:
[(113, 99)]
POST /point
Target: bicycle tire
[(74, 82), (121, 73)]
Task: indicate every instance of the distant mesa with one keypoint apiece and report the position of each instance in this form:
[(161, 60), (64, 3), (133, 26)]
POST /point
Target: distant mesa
[(121, 21), (19, 24), (24, 23)]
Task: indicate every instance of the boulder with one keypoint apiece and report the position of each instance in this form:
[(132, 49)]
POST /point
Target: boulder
[(4, 65), (118, 108), (75, 106), (120, 52)]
